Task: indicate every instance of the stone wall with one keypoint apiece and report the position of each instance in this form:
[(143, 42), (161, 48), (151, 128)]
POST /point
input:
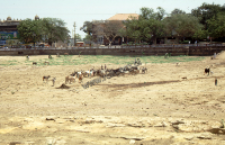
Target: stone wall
[(175, 51)]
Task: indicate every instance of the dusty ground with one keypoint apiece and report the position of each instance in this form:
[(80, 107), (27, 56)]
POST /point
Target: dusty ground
[(158, 107)]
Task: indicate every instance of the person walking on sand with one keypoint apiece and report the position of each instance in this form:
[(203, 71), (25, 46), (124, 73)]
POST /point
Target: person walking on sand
[(215, 55), (216, 82)]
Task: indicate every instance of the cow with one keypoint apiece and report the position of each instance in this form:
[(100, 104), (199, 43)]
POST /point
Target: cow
[(46, 78)]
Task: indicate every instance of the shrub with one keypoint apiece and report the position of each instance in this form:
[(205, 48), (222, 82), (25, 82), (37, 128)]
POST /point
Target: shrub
[(185, 42)]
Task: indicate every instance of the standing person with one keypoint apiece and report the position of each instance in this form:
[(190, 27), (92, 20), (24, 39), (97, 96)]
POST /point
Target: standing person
[(189, 42), (216, 82), (53, 81), (215, 55)]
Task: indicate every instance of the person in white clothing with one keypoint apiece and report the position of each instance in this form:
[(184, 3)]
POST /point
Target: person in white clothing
[(215, 55)]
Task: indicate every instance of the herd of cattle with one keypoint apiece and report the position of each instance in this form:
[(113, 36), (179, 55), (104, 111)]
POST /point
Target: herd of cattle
[(102, 72)]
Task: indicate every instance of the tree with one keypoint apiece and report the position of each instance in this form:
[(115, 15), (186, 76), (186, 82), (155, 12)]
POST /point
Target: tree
[(146, 13), (88, 39), (160, 14), (216, 27), (25, 29), (132, 27), (177, 11), (55, 30), (77, 36), (49, 29), (109, 29), (206, 12), (147, 26), (36, 30), (182, 25), (87, 27)]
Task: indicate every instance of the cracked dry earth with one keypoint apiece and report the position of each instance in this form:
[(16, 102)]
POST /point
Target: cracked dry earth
[(158, 107)]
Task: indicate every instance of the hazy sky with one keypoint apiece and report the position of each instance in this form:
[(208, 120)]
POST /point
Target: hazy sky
[(82, 10)]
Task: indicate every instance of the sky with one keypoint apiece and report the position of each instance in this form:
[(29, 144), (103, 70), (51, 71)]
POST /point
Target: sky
[(80, 11)]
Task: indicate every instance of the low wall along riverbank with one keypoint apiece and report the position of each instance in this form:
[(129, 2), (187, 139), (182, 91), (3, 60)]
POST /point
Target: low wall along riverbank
[(175, 51)]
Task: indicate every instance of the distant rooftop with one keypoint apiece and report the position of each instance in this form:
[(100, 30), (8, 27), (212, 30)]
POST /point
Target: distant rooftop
[(123, 16)]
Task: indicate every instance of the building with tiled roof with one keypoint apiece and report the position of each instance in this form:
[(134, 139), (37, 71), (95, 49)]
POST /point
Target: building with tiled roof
[(123, 17), (118, 17)]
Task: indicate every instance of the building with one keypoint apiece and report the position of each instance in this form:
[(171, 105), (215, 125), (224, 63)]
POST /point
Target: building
[(9, 32), (101, 40)]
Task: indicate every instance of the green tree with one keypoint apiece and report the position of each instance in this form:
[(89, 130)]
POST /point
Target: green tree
[(77, 36), (25, 29), (216, 27), (88, 39), (49, 29), (147, 27), (177, 11), (206, 12), (182, 25), (28, 28), (55, 30), (88, 29)]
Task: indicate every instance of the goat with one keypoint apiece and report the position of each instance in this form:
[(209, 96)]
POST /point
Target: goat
[(124, 73), (73, 73), (207, 70), (34, 63), (94, 72), (46, 62), (178, 63), (53, 81), (102, 73), (105, 66), (134, 71), (144, 69), (46, 77)]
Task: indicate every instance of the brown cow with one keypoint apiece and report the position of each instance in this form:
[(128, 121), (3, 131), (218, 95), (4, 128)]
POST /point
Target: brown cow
[(69, 79), (80, 78), (46, 77)]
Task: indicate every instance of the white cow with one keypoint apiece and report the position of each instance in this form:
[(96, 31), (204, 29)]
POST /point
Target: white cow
[(89, 72)]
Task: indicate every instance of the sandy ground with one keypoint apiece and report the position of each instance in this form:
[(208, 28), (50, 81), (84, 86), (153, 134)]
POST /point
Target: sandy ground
[(158, 107)]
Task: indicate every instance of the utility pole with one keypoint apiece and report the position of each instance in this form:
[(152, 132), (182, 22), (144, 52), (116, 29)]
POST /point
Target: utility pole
[(74, 25), (72, 39)]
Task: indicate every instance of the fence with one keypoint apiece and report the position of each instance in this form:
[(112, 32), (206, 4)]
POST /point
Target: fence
[(113, 47), (190, 49)]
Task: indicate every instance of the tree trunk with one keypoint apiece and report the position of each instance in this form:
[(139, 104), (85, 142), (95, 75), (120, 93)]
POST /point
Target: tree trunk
[(154, 40)]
